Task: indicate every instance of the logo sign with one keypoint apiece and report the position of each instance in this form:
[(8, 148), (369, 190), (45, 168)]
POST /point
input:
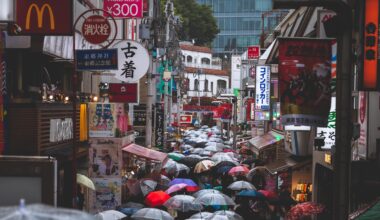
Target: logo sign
[(124, 8), (329, 132), (253, 52), (45, 17), (262, 87), (96, 29), (123, 92), (96, 59), (186, 119), (133, 61)]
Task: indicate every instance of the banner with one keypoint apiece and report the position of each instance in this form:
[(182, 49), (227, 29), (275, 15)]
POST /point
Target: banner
[(305, 76)]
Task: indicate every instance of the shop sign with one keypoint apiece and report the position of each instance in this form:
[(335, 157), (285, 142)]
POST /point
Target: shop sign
[(262, 87), (253, 52), (305, 76), (123, 92), (328, 133), (45, 17), (186, 119), (133, 61), (105, 59), (96, 29), (363, 121), (124, 8), (61, 130)]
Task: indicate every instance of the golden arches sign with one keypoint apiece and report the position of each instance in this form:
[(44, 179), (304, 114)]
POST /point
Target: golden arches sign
[(40, 13)]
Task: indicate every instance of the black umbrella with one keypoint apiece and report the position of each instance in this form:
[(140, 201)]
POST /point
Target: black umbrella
[(189, 161), (223, 164), (200, 145), (222, 167)]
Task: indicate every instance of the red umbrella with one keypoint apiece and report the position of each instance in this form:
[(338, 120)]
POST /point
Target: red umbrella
[(238, 170), (269, 194), (156, 198), (304, 209)]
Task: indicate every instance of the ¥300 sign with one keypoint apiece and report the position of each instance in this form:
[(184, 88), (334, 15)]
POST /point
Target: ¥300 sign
[(124, 8)]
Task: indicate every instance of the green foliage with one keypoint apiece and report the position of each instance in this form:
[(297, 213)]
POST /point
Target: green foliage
[(198, 22)]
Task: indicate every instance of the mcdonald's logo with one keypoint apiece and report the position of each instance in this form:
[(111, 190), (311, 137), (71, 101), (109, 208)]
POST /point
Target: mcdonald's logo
[(40, 14)]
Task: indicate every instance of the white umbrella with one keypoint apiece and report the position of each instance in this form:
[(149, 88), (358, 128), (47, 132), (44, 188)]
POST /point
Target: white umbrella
[(201, 215), (110, 215), (151, 214), (205, 191), (219, 157), (225, 215), (213, 148), (183, 203), (85, 181), (210, 199), (173, 167), (147, 186), (241, 185), (204, 165), (195, 156)]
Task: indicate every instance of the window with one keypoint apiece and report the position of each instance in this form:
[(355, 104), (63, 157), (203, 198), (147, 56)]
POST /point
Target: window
[(212, 88), (196, 85), (206, 85), (183, 58), (205, 61), (189, 59), (221, 85)]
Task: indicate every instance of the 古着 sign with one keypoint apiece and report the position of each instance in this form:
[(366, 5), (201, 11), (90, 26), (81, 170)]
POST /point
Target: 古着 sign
[(61, 130), (133, 61), (262, 87), (105, 59)]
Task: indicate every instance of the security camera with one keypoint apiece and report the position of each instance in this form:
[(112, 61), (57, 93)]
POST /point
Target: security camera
[(16, 29)]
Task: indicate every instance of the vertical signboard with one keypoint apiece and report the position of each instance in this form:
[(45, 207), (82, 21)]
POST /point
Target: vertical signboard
[(250, 109), (363, 120), (159, 131), (253, 52), (305, 76), (262, 87), (235, 72), (45, 17), (328, 133)]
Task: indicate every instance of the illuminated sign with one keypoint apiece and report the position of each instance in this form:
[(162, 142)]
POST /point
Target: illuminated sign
[(262, 87), (328, 158)]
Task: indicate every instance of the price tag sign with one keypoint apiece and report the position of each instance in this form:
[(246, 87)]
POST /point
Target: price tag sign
[(124, 8)]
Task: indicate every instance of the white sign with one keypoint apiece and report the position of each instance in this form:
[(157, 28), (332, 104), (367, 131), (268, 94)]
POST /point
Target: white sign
[(133, 61), (262, 87), (235, 72), (329, 132), (61, 130)]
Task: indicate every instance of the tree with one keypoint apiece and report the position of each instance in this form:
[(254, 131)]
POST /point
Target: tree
[(198, 22)]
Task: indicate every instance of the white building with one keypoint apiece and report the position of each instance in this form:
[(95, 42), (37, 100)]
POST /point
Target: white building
[(205, 74)]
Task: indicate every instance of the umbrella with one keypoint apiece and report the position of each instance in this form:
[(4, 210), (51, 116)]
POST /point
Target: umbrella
[(269, 194), (219, 157), (41, 212), (251, 194), (110, 215), (173, 167), (238, 170), (213, 148), (164, 180), (240, 185), (205, 191), (304, 209), (188, 182), (214, 199), (203, 166), (201, 215), (156, 198), (147, 186), (255, 171), (190, 161), (176, 188), (224, 163), (183, 203), (201, 151), (151, 214), (194, 156), (85, 181), (227, 215), (128, 211), (175, 156)]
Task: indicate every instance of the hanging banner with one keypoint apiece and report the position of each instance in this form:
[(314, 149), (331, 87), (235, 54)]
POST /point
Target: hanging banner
[(363, 121), (133, 61), (262, 87), (305, 76)]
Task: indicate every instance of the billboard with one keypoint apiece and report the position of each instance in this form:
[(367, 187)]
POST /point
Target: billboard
[(45, 17), (262, 87), (305, 77)]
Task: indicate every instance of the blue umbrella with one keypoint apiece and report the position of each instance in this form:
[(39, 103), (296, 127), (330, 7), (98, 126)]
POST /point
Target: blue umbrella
[(128, 211), (188, 182), (251, 194)]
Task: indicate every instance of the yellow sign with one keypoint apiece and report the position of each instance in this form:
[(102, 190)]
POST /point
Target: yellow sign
[(40, 14), (328, 158)]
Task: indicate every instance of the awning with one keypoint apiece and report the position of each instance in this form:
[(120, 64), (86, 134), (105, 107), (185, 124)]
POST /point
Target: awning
[(371, 211), (146, 153), (261, 142)]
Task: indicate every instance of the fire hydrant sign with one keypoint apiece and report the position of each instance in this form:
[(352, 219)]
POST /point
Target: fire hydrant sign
[(133, 61), (96, 29), (124, 8)]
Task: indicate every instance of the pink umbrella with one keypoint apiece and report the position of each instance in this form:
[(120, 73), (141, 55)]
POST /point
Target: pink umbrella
[(238, 170), (176, 188)]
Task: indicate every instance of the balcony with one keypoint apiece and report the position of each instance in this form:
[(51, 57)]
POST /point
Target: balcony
[(204, 66), (199, 94)]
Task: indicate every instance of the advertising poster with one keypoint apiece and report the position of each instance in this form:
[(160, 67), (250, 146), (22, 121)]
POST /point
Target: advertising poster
[(107, 195), (104, 160), (305, 77), (363, 113)]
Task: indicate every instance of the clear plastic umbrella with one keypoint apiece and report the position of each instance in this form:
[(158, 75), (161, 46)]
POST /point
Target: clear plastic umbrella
[(205, 191), (85, 181), (201, 215), (110, 215), (147, 186), (225, 215), (41, 212), (219, 157), (213, 148), (215, 199), (241, 185), (183, 203), (173, 167), (151, 214)]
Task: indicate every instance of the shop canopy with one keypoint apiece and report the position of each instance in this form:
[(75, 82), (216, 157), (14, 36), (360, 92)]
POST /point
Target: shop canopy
[(146, 153), (262, 142)]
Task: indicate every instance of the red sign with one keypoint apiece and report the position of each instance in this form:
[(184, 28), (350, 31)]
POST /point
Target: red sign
[(186, 119), (96, 29), (305, 77), (45, 17), (196, 108), (253, 52), (123, 92), (124, 8)]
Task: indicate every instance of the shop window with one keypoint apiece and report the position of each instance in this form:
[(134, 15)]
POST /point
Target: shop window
[(196, 85)]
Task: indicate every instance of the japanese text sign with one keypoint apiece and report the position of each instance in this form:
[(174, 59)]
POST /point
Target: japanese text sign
[(262, 87), (45, 17), (96, 29), (253, 52), (124, 8), (96, 59), (133, 61), (329, 132)]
